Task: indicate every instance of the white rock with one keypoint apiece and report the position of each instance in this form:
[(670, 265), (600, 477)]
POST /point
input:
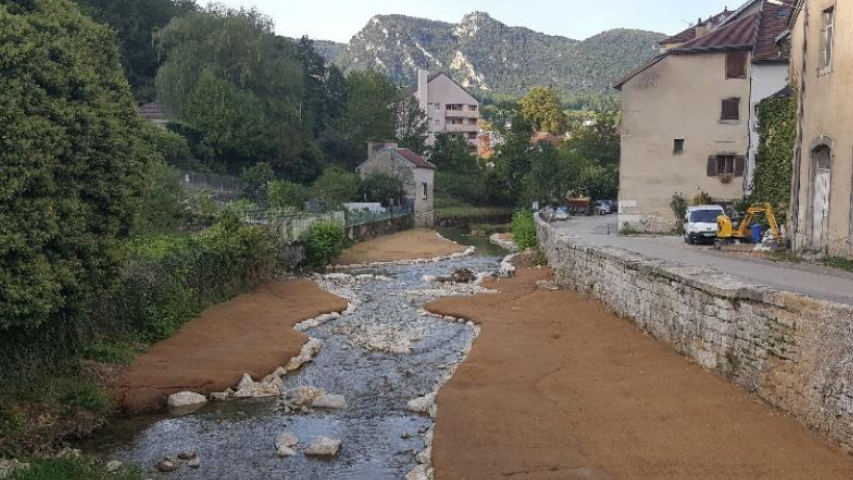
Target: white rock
[(167, 465), (323, 447), (187, 455), (334, 402), (425, 457), (284, 452), (428, 437), (194, 463), (421, 472), (220, 396), (186, 399), (421, 404), (286, 439), (338, 277)]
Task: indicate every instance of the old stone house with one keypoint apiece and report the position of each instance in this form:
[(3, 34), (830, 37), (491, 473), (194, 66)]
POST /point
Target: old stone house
[(821, 36), (416, 173), (448, 106), (688, 115)]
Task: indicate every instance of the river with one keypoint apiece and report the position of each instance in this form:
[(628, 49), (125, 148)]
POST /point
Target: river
[(380, 437)]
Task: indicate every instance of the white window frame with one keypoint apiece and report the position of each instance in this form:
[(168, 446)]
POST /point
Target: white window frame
[(425, 190), (829, 17)]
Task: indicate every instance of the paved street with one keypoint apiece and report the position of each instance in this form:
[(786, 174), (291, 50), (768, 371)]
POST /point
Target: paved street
[(813, 280)]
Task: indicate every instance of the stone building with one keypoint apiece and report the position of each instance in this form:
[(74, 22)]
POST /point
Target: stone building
[(155, 113), (820, 37), (417, 175), (449, 107), (688, 115)]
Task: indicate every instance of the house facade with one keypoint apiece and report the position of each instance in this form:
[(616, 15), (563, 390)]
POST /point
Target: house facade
[(449, 107), (821, 36), (416, 173), (688, 122)]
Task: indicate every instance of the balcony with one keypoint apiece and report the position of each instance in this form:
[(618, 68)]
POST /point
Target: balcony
[(461, 128), (462, 113)]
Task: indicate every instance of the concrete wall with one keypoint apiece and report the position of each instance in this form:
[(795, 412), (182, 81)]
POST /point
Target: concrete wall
[(794, 352), (367, 231), (767, 79), (826, 118), (441, 92), (678, 98), (424, 203)]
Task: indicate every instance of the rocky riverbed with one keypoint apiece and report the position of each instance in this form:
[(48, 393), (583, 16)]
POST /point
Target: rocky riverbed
[(379, 367)]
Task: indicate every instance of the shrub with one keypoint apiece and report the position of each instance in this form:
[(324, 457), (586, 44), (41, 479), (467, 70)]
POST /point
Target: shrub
[(678, 204), (381, 187), (162, 202), (256, 178), (86, 396), (703, 198), (323, 242), (524, 229), (284, 195), (72, 469), (335, 187)]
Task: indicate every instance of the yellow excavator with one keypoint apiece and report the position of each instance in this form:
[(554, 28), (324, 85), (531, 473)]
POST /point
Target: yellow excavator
[(726, 234)]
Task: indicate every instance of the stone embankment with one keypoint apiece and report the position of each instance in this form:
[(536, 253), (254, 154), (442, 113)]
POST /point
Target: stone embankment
[(794, 352)]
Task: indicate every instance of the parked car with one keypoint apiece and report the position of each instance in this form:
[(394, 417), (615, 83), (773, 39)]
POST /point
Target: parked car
[(604, 207), (700, 223)]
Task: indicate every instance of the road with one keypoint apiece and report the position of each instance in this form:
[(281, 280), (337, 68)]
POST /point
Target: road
[(807, 279)]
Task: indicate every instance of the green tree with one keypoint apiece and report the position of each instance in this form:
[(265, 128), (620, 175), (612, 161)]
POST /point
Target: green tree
[(228, 76), (256, 178), (600, 141), (542, 107), (381, 187), (513, 159), (451, 153), (135, 21), (370, 111), (412, 126), (336, 187), (73, 157), (599, 181), (283, 195)]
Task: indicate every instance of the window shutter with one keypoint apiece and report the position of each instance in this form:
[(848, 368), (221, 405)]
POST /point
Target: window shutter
[(712, 166), (740, 162)]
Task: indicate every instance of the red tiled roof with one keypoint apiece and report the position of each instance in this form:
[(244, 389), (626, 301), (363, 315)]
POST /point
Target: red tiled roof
[(774, 21), (732, 36), (153, 111), (690, 32), (414, 158)]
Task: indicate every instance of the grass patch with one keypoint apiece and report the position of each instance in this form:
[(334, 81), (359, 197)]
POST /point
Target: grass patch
[(118, 352), (488, 229), (157, 247), (629, 231), (839, 263), (452, 208), (72, 469)]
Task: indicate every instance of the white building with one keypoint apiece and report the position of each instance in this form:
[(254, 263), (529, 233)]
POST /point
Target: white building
[(449, 107)]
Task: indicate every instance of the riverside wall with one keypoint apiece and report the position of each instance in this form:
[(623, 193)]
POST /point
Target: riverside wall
[(793, 351)]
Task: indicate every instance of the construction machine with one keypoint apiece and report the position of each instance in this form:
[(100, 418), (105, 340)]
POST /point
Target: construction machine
[(727, 234)]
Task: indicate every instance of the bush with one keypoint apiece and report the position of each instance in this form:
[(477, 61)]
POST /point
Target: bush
[(256, 179), (335, 187), (285, 195), (72, 469), (678, 204), (163, 201), (382, 188), (524, 230), (323, 242)]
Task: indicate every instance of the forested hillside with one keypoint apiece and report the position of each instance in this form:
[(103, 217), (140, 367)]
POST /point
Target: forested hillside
[(483, 53)]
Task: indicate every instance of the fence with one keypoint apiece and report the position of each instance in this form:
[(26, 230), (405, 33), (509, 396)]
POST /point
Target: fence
[(220, 186), (291, 226), (363, 217)]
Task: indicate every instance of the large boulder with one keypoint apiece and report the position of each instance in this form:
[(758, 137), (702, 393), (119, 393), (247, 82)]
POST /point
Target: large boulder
[(286, 439), (186, 402), (331, 402), (323, 447)]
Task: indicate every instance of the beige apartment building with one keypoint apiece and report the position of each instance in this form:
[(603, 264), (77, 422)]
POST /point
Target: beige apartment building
[(449, 107), (688, 114), (821, 40)]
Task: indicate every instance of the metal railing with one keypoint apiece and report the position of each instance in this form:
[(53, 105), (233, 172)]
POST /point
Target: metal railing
[(364, 217)]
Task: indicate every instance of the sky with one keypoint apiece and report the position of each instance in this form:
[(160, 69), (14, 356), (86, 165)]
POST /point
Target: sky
[(339, 20)]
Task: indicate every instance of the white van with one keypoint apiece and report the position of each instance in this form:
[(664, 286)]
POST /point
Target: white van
[(700, 223)]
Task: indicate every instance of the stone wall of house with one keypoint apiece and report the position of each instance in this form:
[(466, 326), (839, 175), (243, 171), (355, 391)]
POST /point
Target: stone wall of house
[(792, 351)]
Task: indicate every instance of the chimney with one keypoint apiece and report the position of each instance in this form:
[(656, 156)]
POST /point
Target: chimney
[(374, 148), (423, 88)]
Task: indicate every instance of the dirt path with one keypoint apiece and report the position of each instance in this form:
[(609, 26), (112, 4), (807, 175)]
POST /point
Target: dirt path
[(558, 388), (408, 245), (252, 333)]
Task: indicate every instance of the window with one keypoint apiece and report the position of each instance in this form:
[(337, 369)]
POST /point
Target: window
[(437, 107), (472, 108), (828, 37), (731, 110), (736, 64), (678, 146), (472, 136), (472, 121), (726, 166), (438, 123), (425, 189), (454, 107)]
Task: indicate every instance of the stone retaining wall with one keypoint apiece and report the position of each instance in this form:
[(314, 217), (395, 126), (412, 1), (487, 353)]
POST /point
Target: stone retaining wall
[(367, 231), (794, 352)]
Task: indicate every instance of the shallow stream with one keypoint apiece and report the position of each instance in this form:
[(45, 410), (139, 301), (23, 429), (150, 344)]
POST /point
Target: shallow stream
[(236, 440)]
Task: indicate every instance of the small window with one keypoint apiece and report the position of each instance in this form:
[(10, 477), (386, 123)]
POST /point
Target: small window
[(438, 123), (736, 64), (828, 37), (726, 166), (731, 110), (425, 189), (437, 107), (678, 146), (472, 108)]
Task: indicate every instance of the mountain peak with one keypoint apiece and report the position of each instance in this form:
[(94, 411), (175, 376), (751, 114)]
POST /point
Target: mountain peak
[(474, 22)]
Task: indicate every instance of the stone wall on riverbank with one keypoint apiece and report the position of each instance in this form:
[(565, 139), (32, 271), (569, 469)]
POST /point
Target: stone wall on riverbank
[(371, 230), (794, 352)]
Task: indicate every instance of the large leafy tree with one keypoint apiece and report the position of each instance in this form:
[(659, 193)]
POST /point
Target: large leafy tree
[(230, 78), (600, 141), (513, 160), (412, 126), (325, 90), (451, 153), (135, 21), (370, 111), (73, 157), (542, 107)]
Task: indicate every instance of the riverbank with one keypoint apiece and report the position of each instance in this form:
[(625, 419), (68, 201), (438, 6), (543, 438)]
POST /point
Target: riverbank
[(404, 246), (252, 333), (557, 387)]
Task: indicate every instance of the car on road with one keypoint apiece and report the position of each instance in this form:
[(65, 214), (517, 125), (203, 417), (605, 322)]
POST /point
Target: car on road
[(603, 207), (700, 223)]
